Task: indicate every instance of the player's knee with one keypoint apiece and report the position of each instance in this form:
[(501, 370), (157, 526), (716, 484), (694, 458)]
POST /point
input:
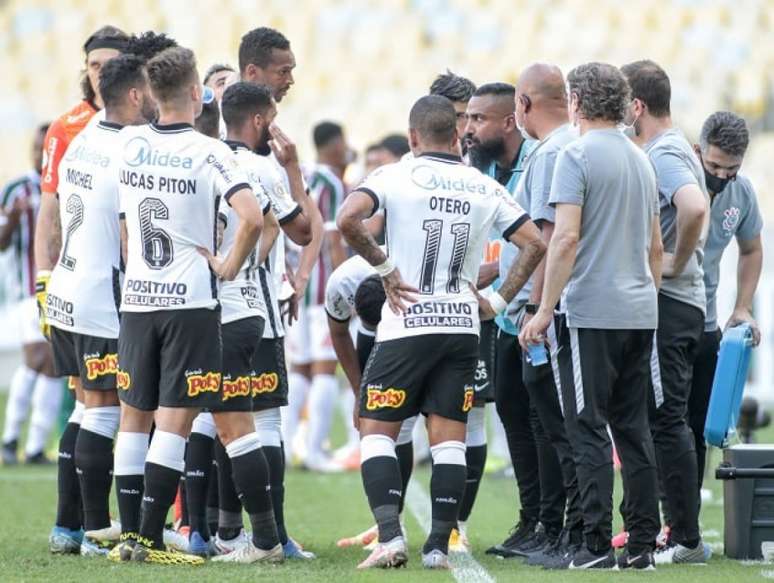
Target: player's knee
[(233, 426), (107, 398), (205, 425), (376, 445), (450, 452), (268, 426), (101, 420), (475, 435)]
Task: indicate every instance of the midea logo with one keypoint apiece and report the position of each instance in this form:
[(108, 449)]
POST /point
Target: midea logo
[(138, 152)]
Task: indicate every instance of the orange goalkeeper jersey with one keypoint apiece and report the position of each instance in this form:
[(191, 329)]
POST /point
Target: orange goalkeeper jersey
[(58, 137)]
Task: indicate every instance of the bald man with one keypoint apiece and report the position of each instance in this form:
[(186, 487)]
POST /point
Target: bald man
[(541, 114)]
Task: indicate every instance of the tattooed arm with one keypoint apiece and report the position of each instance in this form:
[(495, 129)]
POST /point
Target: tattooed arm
[(532, 249), (357, 207), (48, 233)]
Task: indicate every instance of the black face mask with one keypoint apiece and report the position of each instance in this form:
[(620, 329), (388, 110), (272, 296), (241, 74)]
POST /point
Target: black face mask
[(714, 184)]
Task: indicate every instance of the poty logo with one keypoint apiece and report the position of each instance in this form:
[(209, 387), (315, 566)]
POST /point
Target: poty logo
[(467, 402), (98, 367), (123, 380), (426, 177), (138, 152), (379, 399), (203, 383), (731, 220), (265, 383), (239, 387)]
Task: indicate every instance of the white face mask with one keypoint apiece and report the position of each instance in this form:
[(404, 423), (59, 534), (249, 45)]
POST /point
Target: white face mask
[(524, 132), (628, 130)]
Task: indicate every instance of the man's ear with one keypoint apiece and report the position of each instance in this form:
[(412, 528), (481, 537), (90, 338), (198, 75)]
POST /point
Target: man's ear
[(413, 138)]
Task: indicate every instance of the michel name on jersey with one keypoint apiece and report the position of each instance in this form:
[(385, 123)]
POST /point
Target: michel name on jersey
[(140, 292), (439, 314)]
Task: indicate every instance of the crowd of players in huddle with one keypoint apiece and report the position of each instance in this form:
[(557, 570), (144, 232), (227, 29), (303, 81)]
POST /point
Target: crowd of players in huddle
[(563, 212)]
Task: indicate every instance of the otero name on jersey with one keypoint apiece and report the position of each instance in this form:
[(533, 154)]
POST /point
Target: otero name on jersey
[(171, 180)]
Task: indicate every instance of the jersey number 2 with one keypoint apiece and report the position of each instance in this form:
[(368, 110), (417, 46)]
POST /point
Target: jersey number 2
[(434, 230), (74, 206), (157, 248)]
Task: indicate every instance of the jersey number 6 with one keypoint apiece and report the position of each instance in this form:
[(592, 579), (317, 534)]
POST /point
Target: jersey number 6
[(157, 248)]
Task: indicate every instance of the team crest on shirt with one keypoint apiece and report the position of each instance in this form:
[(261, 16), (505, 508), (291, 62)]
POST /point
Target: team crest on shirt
[(99, 367), (467, 401), (200, 382), (731, 220), (238, 387), (264, 383), (379, 398), (123, 380)]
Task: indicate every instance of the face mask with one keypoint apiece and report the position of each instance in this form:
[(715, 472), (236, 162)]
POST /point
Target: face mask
[(714, 184), (524, 133), (629, 130)]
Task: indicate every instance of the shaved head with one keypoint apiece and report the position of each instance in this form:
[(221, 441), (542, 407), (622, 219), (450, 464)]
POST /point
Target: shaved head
[(541, 100), (544, 84)]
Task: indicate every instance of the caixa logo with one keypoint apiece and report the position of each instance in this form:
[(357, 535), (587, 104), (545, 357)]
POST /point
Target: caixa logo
[(138, 152)]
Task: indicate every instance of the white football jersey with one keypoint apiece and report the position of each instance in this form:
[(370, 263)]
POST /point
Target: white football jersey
[(170, 182), (274, 181), (342, 285), (84, 291), (438, 213), (242, 298)]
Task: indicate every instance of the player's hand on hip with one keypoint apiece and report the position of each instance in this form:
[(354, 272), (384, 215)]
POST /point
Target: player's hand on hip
[(534, 331), (745, 317), (485, 310), (283, 147), (398, 292), (219, 265)]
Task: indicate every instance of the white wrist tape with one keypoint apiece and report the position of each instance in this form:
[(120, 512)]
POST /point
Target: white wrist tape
[(386, 268), (497, 302)]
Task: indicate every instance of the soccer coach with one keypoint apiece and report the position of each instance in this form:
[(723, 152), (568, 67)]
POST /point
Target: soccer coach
[(606, 249)]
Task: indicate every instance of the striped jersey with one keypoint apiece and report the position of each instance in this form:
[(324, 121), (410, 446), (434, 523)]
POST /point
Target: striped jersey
[(23, 238), (328, 192)]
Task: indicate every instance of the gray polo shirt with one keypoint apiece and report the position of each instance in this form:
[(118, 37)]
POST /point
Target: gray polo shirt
[(611, 286), (734, 213), (532, 193), (677, 166)]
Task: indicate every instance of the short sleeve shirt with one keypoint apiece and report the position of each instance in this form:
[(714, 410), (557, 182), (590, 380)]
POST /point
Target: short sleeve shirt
[(676, 166), (342, 286), (171, 180), (734, 212), (438, 215), (611, 286)]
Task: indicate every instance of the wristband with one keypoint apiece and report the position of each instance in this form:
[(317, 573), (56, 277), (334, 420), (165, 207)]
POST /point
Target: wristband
[(385, 269), (497, 302)]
